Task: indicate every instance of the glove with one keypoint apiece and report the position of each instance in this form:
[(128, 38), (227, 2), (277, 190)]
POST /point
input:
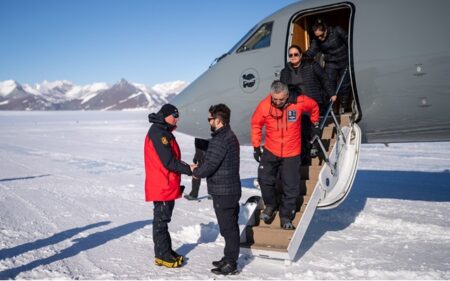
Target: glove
[(317, 131), (320, 59), (257, 153)]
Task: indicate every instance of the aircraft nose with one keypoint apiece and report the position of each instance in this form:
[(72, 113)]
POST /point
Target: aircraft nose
[(193, 109)]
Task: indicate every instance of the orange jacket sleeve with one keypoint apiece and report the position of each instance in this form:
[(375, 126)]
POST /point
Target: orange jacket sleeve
[(257, 124)]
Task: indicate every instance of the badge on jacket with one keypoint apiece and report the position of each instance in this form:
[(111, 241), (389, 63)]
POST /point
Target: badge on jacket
[(164, 140), (292, 115)]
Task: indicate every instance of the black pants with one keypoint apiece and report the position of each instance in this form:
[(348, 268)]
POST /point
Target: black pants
[(162, 215), (334, 76), (227, 213), (289, 169)]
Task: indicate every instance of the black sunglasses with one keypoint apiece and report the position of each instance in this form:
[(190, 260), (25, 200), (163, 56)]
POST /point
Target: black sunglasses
[(294, 55), (175, 115)]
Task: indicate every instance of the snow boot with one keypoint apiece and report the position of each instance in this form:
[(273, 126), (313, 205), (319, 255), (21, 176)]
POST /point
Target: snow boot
[(226, 269), (177, 256), (168, 261), (190, 197), (219, 263), (268, 215), (286, 224)]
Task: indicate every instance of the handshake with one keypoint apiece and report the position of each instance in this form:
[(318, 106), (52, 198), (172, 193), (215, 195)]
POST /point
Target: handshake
[(193, 166)]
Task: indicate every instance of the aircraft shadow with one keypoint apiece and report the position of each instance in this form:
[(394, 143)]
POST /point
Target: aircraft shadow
[(208, 234), (401, 185), (80, 245), (24, 178)]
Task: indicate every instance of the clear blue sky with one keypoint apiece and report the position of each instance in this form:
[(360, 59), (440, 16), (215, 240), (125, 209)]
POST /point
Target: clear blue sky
[(143, 41)]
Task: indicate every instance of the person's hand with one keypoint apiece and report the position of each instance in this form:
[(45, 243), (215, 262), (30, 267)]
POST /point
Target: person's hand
[(320, 58), (257, 152), (193, 166), (333, 98), (316, 130)]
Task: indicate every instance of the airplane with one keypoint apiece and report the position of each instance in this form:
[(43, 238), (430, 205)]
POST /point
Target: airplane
[(399, 66)]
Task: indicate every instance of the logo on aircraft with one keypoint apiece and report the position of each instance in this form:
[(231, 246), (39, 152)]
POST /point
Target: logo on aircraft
[(249, 80)]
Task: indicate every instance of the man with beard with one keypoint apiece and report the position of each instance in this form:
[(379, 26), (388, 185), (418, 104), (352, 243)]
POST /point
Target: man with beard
[(281, 153), (221, 169)]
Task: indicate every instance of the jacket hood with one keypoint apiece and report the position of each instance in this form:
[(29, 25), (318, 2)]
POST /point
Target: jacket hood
[(159, 120)]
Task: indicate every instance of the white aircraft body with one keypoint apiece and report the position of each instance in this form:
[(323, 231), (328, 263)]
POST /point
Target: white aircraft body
[(399, 66)]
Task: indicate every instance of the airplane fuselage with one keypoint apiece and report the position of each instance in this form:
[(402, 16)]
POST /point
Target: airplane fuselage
[(399, 64)]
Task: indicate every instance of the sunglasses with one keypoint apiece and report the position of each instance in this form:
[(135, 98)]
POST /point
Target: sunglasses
[(210, 118), (294, 55), (175, 115)]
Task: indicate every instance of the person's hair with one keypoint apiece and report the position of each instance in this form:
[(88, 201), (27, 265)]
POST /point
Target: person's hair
[(319, 25), (222, 112), (296, 47), (278, 87)]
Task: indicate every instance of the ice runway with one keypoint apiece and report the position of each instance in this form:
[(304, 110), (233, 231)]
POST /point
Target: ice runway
[(72, 206)]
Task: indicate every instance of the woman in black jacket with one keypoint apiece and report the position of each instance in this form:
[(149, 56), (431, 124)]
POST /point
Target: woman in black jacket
[(305, 76)]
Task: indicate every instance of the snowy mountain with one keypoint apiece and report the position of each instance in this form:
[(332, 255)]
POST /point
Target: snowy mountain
[(64, 95)]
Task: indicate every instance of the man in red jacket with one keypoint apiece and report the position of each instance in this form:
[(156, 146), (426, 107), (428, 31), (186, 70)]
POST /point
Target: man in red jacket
[(163, 169), (282, 148)]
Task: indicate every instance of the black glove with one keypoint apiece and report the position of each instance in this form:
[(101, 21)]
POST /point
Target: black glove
[(257, 152), (317, 131), (320, 59)]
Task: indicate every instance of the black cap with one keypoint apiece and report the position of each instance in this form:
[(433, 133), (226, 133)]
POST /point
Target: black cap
[(168, 109)]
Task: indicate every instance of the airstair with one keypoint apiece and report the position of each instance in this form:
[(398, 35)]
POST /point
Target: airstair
[(324, 185)]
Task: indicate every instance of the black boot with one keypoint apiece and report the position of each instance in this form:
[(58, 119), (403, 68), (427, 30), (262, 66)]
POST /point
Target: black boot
[(219, 263), (226, 269), (268, 215)]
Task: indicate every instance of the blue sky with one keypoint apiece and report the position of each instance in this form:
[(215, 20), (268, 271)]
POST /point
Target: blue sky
[(143, 41)]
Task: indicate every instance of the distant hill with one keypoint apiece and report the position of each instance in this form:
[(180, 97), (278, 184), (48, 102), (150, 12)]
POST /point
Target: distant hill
[(64, 95)]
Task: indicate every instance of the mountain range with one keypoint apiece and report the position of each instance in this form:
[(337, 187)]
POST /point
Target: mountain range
[(64, 95)]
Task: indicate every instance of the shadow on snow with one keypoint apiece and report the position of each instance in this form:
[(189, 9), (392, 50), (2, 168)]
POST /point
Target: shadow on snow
[(399, 185), (80, 245)]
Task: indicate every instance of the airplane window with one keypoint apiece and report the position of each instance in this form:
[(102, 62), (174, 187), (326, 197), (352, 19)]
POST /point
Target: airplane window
[(241, 40), (259, 39)]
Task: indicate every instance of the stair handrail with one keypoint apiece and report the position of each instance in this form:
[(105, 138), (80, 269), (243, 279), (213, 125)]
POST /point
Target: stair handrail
[(338, 129)]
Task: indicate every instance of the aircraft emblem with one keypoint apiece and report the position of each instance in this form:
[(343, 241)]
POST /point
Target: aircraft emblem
[(249, 80)]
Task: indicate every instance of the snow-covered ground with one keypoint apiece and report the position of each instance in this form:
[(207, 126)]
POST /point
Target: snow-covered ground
[(72, 207)]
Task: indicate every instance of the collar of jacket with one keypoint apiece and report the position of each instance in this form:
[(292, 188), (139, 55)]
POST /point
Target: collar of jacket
[(220, 130), (158, 120)]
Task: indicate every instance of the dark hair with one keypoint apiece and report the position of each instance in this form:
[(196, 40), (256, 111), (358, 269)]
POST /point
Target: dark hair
[(295, 47), (319, 24), (222, 112)]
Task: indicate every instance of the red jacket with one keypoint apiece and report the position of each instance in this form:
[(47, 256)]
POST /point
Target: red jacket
[(163, 167), (283, 130)]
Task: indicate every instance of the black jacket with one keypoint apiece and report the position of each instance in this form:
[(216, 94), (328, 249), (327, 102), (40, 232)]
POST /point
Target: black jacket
[(221, 166), (334, 48), (157, 131), (309, 78)]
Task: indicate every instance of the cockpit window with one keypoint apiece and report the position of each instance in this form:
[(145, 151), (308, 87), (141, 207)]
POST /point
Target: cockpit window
[(259, 39)]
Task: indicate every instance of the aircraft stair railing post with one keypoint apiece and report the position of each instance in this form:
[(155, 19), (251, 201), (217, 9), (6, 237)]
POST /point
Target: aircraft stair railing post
[(324, 151)]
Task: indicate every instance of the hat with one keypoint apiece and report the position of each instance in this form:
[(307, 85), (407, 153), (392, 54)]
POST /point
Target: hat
[(168, 109)]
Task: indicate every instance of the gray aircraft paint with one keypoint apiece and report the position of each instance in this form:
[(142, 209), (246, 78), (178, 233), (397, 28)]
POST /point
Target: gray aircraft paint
[(400, 54)]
